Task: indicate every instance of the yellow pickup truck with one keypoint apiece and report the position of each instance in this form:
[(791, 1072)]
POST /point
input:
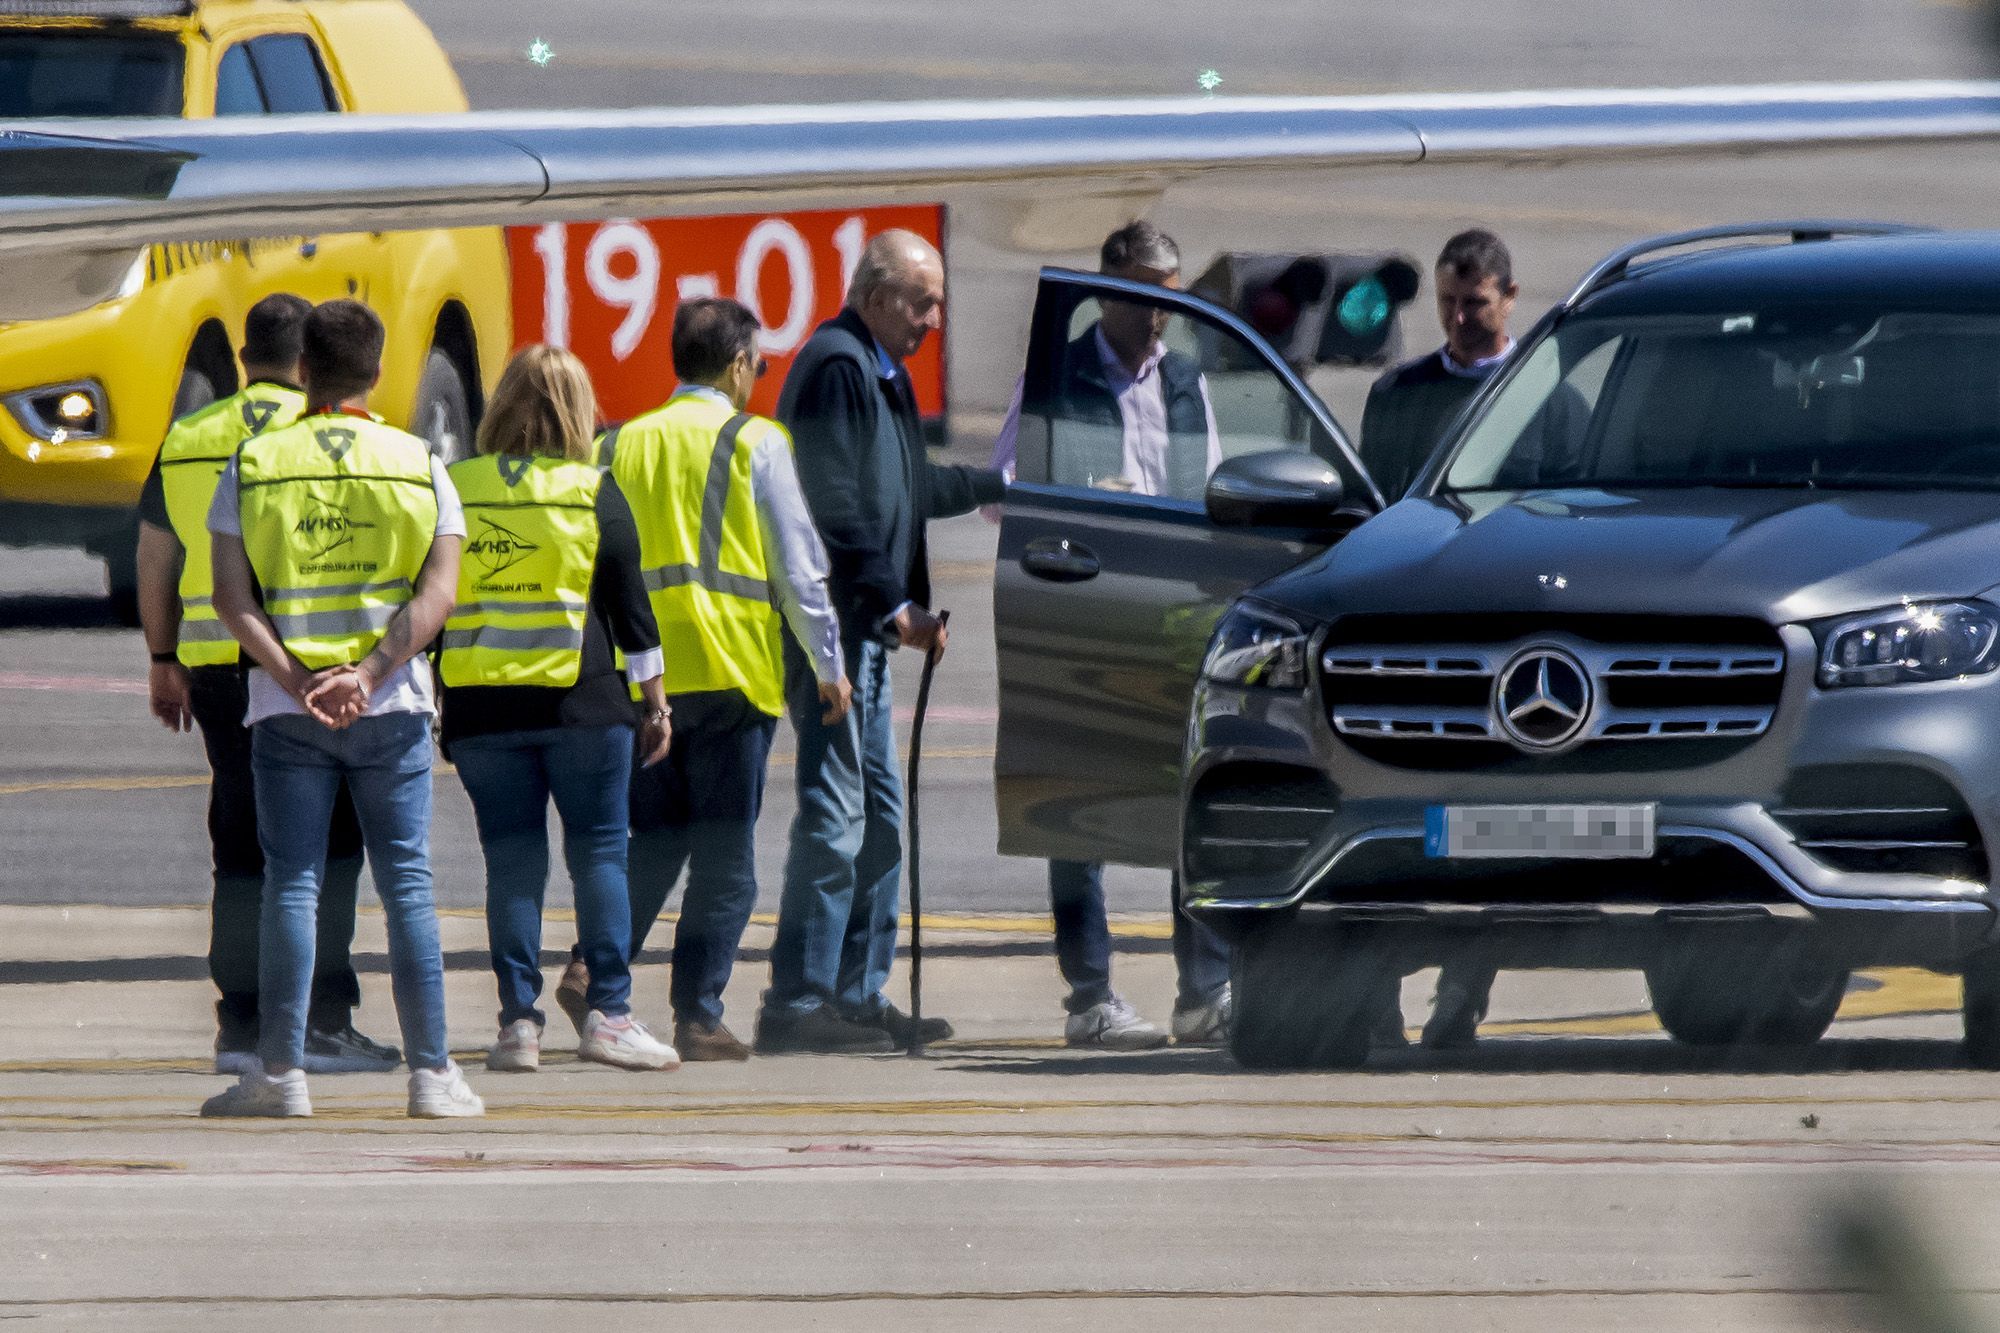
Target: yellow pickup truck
[(88, 397)]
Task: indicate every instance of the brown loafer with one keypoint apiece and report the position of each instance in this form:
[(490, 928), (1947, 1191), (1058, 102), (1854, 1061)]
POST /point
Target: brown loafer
[(696, 1042), (571, 993)]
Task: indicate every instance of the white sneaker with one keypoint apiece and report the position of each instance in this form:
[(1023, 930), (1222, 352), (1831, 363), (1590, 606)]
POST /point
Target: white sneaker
[(623, 1041), (442, 1094), (519, 1049), (1112, 1025), (1205, 1025), (259, 1094)]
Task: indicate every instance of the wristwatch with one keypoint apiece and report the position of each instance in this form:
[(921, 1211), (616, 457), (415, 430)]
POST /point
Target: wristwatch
[(171, 655), (661, 715)]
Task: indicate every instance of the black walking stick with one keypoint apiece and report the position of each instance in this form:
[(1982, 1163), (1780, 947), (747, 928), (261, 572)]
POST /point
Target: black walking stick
[(911, 800)]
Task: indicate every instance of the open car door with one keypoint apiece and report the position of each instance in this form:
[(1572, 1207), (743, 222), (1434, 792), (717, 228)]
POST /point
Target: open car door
[(1109, 583)]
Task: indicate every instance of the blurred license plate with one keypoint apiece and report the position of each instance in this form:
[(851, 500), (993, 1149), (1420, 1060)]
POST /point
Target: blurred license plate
[(1539, 830)]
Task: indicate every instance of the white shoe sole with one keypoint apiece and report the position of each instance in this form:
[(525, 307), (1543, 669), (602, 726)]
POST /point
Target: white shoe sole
[(447, 1111), (617, 1059), (514, 1062), (1117, 1041)]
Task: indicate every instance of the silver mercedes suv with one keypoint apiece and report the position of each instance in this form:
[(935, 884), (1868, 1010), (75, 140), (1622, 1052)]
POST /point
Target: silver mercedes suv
[(1697, 679)]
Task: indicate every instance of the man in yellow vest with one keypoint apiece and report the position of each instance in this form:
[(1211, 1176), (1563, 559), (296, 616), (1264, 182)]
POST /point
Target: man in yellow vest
[(730, 560), (335, 543), (197, 680)]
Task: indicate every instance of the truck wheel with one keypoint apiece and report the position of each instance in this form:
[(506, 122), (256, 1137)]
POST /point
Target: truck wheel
[(121, 574), (1982, 1010), (1744, 991), (443, 412), (196, 391), (1304, 996)]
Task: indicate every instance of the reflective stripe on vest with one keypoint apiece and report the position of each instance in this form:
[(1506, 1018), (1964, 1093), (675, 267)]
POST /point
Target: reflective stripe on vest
[(524, 580), (338, 517), (191, 461), (685, 468)]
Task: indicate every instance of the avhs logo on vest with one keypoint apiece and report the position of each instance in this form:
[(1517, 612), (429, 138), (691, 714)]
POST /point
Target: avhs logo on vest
[(326, 526), (499, 549)]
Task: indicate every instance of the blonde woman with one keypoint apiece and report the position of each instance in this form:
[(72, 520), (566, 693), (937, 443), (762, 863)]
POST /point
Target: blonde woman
[(535, 706)]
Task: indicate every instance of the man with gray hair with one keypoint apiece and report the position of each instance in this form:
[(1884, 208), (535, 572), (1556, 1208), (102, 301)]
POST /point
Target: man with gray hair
[(853, 416), (1161, 439)]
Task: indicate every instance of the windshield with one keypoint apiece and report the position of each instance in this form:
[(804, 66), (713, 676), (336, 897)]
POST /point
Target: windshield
[(1824, 396), (89, 74)]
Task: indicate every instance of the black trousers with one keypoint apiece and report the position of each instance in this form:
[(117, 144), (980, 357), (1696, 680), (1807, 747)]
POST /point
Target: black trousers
[(220, 696)]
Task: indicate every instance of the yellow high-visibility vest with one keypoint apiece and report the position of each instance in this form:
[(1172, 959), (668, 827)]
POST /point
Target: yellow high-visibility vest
[(524, 580), (685, 468), (338, 515), (191, 460)]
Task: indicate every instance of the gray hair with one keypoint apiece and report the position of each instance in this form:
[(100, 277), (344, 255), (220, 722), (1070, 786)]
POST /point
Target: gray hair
[(887, 262), (1139, 245)]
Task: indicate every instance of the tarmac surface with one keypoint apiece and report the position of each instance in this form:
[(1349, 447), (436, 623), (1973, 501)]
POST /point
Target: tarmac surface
[(1576, 1170)]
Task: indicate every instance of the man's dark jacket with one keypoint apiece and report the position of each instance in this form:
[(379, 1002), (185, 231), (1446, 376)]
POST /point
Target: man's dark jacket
[(860, 449), (1412, 407), (1084, 394)]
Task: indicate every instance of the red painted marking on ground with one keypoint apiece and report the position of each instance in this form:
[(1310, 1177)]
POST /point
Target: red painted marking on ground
[(28, 680)]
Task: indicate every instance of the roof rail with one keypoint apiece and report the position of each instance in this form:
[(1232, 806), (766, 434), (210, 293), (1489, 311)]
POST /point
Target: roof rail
[(96, 9), (1614, 265)]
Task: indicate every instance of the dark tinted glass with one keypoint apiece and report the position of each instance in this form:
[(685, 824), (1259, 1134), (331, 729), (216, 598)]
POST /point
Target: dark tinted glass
[(236, 91), (89, 74), (293, 79), (1814, 396)]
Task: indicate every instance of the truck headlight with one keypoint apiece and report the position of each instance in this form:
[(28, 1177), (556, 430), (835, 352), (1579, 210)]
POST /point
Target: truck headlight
[(1257, 646), (61, 412), (1916, 642)]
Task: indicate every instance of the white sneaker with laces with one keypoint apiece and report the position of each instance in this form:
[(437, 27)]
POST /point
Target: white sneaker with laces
[(1204, 1025), (624, 1042), (442, 1094), (1112, 1025), (519, 1049), (259, 1094)]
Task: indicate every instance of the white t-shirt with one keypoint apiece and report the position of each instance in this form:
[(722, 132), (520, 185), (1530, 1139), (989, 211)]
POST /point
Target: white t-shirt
[(410, 688)]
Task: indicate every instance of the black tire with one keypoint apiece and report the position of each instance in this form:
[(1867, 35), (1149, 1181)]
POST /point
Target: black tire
[(1982, 1010), (442, 413), (196, 391), (1304, 996), (1731, 989)]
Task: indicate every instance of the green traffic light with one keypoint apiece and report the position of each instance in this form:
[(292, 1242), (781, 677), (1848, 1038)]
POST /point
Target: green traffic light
[(1365, 308)]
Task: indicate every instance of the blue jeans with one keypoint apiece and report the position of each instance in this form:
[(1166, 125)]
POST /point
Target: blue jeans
[(1083, 941), (298, 766), (843, 876), (698, 809), (510, 777)]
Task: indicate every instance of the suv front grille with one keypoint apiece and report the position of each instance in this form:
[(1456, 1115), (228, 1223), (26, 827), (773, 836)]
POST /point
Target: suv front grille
[(1651, 682), (1883, 819)]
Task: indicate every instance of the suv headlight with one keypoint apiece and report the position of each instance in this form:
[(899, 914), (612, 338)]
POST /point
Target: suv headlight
[(58, 413), (1257, 646), (1915, 642)]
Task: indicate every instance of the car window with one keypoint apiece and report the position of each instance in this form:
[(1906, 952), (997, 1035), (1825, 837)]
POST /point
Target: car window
[(293, 78), (236, 90), (1811, 396), (1147, 401), (44, 73)]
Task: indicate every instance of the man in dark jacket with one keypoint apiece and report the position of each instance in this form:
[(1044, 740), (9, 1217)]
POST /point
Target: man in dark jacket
[(853, 416)]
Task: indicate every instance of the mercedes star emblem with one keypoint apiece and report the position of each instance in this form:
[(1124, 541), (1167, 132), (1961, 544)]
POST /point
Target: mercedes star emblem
[(1542, 698)]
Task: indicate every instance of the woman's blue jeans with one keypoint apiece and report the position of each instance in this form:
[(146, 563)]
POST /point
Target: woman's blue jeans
[(511, 776), (298, 766)]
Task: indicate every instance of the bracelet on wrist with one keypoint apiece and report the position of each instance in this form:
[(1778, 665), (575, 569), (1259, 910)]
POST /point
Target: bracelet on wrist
[(171, 655), (660, 715)]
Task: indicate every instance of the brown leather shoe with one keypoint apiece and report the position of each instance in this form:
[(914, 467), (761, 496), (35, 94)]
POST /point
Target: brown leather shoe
[(696, 1042), (572, 993)]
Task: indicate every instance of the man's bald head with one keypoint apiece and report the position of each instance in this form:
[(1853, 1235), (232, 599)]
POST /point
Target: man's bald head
[(898, 290)]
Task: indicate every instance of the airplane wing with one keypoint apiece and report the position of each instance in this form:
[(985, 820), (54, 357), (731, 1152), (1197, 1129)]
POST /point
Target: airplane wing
[(275, 176)]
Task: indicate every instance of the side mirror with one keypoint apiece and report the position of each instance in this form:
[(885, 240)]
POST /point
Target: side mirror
[(1285, 488)]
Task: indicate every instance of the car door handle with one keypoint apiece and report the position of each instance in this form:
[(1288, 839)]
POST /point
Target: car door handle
[(1059, 560)]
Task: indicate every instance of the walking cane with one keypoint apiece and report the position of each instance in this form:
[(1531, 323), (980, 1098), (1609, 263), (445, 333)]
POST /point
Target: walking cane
[(912, 800)]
